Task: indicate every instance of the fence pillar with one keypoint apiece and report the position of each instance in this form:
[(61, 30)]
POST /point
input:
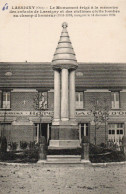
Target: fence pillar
[(42, 152), (124, 144), (85, 151), (42, 148)]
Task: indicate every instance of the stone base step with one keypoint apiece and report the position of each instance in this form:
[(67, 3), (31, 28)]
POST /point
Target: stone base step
[(63, 148), (63, 158), (68, 163)]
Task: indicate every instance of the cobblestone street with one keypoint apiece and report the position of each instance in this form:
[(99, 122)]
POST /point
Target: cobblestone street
[(36, 178)]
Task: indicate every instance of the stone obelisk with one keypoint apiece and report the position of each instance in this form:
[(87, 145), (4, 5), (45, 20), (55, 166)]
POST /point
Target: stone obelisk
[(64, 131)]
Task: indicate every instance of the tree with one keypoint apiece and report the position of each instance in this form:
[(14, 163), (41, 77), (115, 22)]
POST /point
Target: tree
[(4, 120), (95, 110), (105, 116), (3, 139), (100, 113), (40, 105)]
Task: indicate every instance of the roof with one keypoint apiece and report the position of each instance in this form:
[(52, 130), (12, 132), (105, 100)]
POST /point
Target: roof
[(64, 55), (40, 75)]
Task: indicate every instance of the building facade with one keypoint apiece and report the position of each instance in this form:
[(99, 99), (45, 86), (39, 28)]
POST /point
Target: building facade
[(59, 100)]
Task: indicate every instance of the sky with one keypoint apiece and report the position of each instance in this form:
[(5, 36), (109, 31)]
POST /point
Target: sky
[(94, 39)]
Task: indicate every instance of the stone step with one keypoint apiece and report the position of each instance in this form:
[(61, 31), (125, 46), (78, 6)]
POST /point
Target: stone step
[(63, 148), (63, 158)]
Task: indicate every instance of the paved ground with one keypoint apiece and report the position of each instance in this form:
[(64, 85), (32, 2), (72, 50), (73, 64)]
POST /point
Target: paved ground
[(36, 179)]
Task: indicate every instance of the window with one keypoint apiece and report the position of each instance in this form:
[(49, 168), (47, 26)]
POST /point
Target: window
[(43, 100), (84, 129), (36, 126), (115, 131), (115, 96), (111, 131), (6, 100), (79, 100)]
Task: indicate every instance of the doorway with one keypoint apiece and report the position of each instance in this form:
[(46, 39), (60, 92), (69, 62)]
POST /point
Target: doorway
[(42, 129)]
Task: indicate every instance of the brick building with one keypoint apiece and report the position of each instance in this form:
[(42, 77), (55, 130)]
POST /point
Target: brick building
[(68, 116)]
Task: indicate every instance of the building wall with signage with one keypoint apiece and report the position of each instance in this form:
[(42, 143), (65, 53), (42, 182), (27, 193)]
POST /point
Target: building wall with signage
[(97, 84), (20, 118)]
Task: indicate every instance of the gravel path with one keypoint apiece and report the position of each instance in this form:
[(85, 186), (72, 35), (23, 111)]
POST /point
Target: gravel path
[(36, 179)]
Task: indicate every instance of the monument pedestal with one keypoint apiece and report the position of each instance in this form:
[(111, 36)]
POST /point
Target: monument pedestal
[(64, 144), (64, 135)]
